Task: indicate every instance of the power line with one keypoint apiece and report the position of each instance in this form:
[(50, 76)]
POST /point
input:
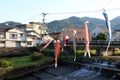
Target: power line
[(91, 11), (107, 3), (79, 12)]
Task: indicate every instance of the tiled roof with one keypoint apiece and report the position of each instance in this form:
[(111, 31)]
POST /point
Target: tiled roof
[(21, 26), (101, 27), (4, 28), (69, 32)]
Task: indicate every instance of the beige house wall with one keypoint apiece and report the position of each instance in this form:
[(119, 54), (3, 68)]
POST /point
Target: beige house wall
[(10, 44), (37, 27)]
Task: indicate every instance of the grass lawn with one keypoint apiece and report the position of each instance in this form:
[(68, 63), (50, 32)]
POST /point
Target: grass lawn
[(118, 52), (24, 61)]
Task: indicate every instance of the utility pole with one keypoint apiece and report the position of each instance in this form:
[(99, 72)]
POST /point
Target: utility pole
[(43, 21), (44, 14), (43, 24)]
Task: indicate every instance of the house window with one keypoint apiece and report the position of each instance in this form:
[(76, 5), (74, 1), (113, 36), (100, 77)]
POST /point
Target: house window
[(13, 36), (2, 42), (40, 27), (79, 39), (33, 38), (1, 35), (21, 35), (29, 43)]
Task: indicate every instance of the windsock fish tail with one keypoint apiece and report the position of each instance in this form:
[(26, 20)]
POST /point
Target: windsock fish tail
[(55, 63)]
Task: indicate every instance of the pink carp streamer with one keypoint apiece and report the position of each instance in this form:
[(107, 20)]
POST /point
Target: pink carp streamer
[(45, 45), (57, 52), (65, 39), (86, 39), (47, 40), (74, 43)]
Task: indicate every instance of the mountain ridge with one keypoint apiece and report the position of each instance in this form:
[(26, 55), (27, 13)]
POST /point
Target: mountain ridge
[(73, 21), (58, 25)]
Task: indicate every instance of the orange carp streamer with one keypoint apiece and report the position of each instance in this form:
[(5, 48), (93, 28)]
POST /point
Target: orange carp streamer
[(57, 52), (86, 39)]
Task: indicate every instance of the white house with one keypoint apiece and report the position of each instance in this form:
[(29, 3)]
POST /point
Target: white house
[(16, 38), (31, 34), (116, 35), (2, 37), (24, 35), (97, 30)]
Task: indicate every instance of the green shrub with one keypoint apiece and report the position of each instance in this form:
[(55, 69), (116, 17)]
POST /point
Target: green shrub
[(5, 63), (93, 52), (36, 56)]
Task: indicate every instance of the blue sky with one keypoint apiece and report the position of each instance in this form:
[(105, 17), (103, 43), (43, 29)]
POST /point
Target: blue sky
[(25, 11)]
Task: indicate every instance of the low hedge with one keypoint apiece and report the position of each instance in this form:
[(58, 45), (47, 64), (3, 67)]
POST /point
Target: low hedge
[(36, 56), (5, 63), (17, 51)]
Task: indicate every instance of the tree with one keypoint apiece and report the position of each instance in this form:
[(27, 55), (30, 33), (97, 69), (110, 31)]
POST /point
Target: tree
[(101, 36)]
